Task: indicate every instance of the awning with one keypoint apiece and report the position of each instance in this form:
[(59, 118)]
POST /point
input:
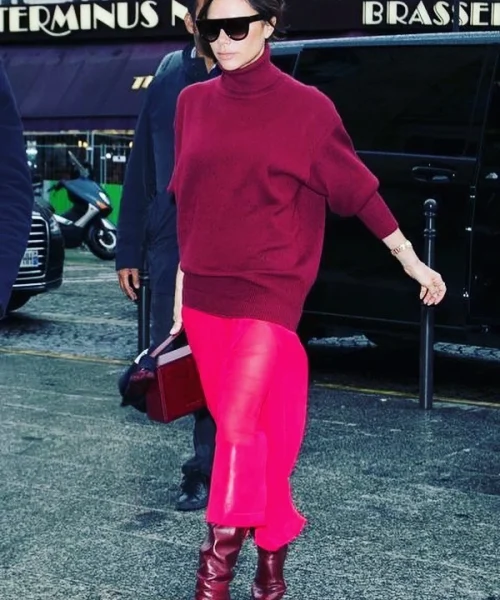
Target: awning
[(82, 87)]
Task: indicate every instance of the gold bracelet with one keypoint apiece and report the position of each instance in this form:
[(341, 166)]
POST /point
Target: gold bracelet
[(406, 245)]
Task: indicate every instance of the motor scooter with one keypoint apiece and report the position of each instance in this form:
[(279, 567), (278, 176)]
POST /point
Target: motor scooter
[(86, 221)]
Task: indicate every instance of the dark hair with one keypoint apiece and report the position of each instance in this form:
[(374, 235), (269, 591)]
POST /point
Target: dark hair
[(191, 6), (268, 9)]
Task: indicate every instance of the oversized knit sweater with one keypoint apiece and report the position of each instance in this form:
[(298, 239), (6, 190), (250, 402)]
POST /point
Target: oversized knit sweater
[(258, 158)]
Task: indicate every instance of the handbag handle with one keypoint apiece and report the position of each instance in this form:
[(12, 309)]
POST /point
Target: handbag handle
[(164, 345)]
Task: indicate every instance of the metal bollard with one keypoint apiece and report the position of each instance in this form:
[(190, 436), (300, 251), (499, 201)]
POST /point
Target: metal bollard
[(143, 311), (427, 312)]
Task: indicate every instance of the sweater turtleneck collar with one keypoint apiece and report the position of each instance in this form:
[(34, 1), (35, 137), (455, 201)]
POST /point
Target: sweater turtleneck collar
[(255, 79)]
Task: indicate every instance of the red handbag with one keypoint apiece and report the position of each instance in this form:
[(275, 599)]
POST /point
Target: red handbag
[(176, 390)]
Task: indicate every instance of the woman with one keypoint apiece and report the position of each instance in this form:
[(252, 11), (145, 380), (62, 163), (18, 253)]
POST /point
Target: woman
[(257, 154)]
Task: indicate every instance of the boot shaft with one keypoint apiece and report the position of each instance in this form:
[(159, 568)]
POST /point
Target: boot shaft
[(218, 555), (269, 583)]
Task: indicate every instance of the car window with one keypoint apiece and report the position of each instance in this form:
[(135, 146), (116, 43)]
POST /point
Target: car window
[(491, 146), (411, 99), (285, 62)]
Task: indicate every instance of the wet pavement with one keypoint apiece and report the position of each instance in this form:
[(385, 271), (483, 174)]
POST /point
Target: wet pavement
[(401, 504)]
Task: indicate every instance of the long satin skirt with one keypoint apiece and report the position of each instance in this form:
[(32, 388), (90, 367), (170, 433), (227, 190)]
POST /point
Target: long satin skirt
[(255, 378)]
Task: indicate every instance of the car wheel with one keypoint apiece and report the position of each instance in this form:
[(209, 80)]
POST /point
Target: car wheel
[(307, 330)]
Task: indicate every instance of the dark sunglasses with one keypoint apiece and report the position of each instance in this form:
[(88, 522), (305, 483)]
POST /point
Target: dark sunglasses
[(237, 29)]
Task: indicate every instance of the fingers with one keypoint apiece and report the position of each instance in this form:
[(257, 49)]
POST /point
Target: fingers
[(135, 278), (177, 327), (177, 317), (123, 280), (434, 293), (428, 299), (125, 277)]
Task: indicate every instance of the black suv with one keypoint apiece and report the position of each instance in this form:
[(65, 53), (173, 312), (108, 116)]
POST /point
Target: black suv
[(41, 269), (424, 115)]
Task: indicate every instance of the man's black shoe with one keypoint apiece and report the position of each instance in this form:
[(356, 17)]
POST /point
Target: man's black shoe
[(194, 493)]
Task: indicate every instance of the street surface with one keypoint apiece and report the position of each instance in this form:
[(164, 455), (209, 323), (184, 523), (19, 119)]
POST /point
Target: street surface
[(402, 504), (89, 317)]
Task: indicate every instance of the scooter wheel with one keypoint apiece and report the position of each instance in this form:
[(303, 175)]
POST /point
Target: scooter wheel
[(101, 242)]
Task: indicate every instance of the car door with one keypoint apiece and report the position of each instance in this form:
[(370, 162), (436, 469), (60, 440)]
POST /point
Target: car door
[(284, 58), (484, 290), (412, 112)]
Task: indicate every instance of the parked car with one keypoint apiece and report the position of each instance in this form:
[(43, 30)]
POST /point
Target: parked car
[(41, 268), (424, 115)]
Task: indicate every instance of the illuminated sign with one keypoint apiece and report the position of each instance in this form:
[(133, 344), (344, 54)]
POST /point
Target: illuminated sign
[(62, 20), (424, 14), (142, 82), (74, 20), (91, 20)]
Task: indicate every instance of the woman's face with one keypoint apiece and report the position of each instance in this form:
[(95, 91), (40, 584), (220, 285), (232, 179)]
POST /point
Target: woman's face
[(232, 54)]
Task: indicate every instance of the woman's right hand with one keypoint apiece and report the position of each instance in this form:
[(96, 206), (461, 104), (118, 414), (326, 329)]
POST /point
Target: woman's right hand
[(177, 316), (432, 286)]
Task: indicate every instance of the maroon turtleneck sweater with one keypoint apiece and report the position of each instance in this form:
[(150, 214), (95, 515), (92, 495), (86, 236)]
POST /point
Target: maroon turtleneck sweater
[(257, 155)]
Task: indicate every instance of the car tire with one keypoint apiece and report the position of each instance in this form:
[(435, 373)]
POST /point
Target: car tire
[(307, 330)]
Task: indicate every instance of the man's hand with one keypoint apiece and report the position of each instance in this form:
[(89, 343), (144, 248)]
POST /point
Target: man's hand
[(129, 282)]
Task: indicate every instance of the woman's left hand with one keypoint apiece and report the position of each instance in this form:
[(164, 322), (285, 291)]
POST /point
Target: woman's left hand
[(177, 316), (433, 288)]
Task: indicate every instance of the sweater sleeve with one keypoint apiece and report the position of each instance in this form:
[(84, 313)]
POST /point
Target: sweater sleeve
[(179, 113), (338, 174), (137, 190), (16, 192)]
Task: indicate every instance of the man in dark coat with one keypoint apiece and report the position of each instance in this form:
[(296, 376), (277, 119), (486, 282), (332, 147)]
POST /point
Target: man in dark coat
[(147, 230), (16, 192)]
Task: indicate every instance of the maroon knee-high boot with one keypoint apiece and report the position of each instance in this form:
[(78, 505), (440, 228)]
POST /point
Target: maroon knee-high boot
[(218, 555), (269, 583)]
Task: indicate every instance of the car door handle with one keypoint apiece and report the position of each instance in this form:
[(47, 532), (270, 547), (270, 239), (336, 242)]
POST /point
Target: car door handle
[(433, 174)]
